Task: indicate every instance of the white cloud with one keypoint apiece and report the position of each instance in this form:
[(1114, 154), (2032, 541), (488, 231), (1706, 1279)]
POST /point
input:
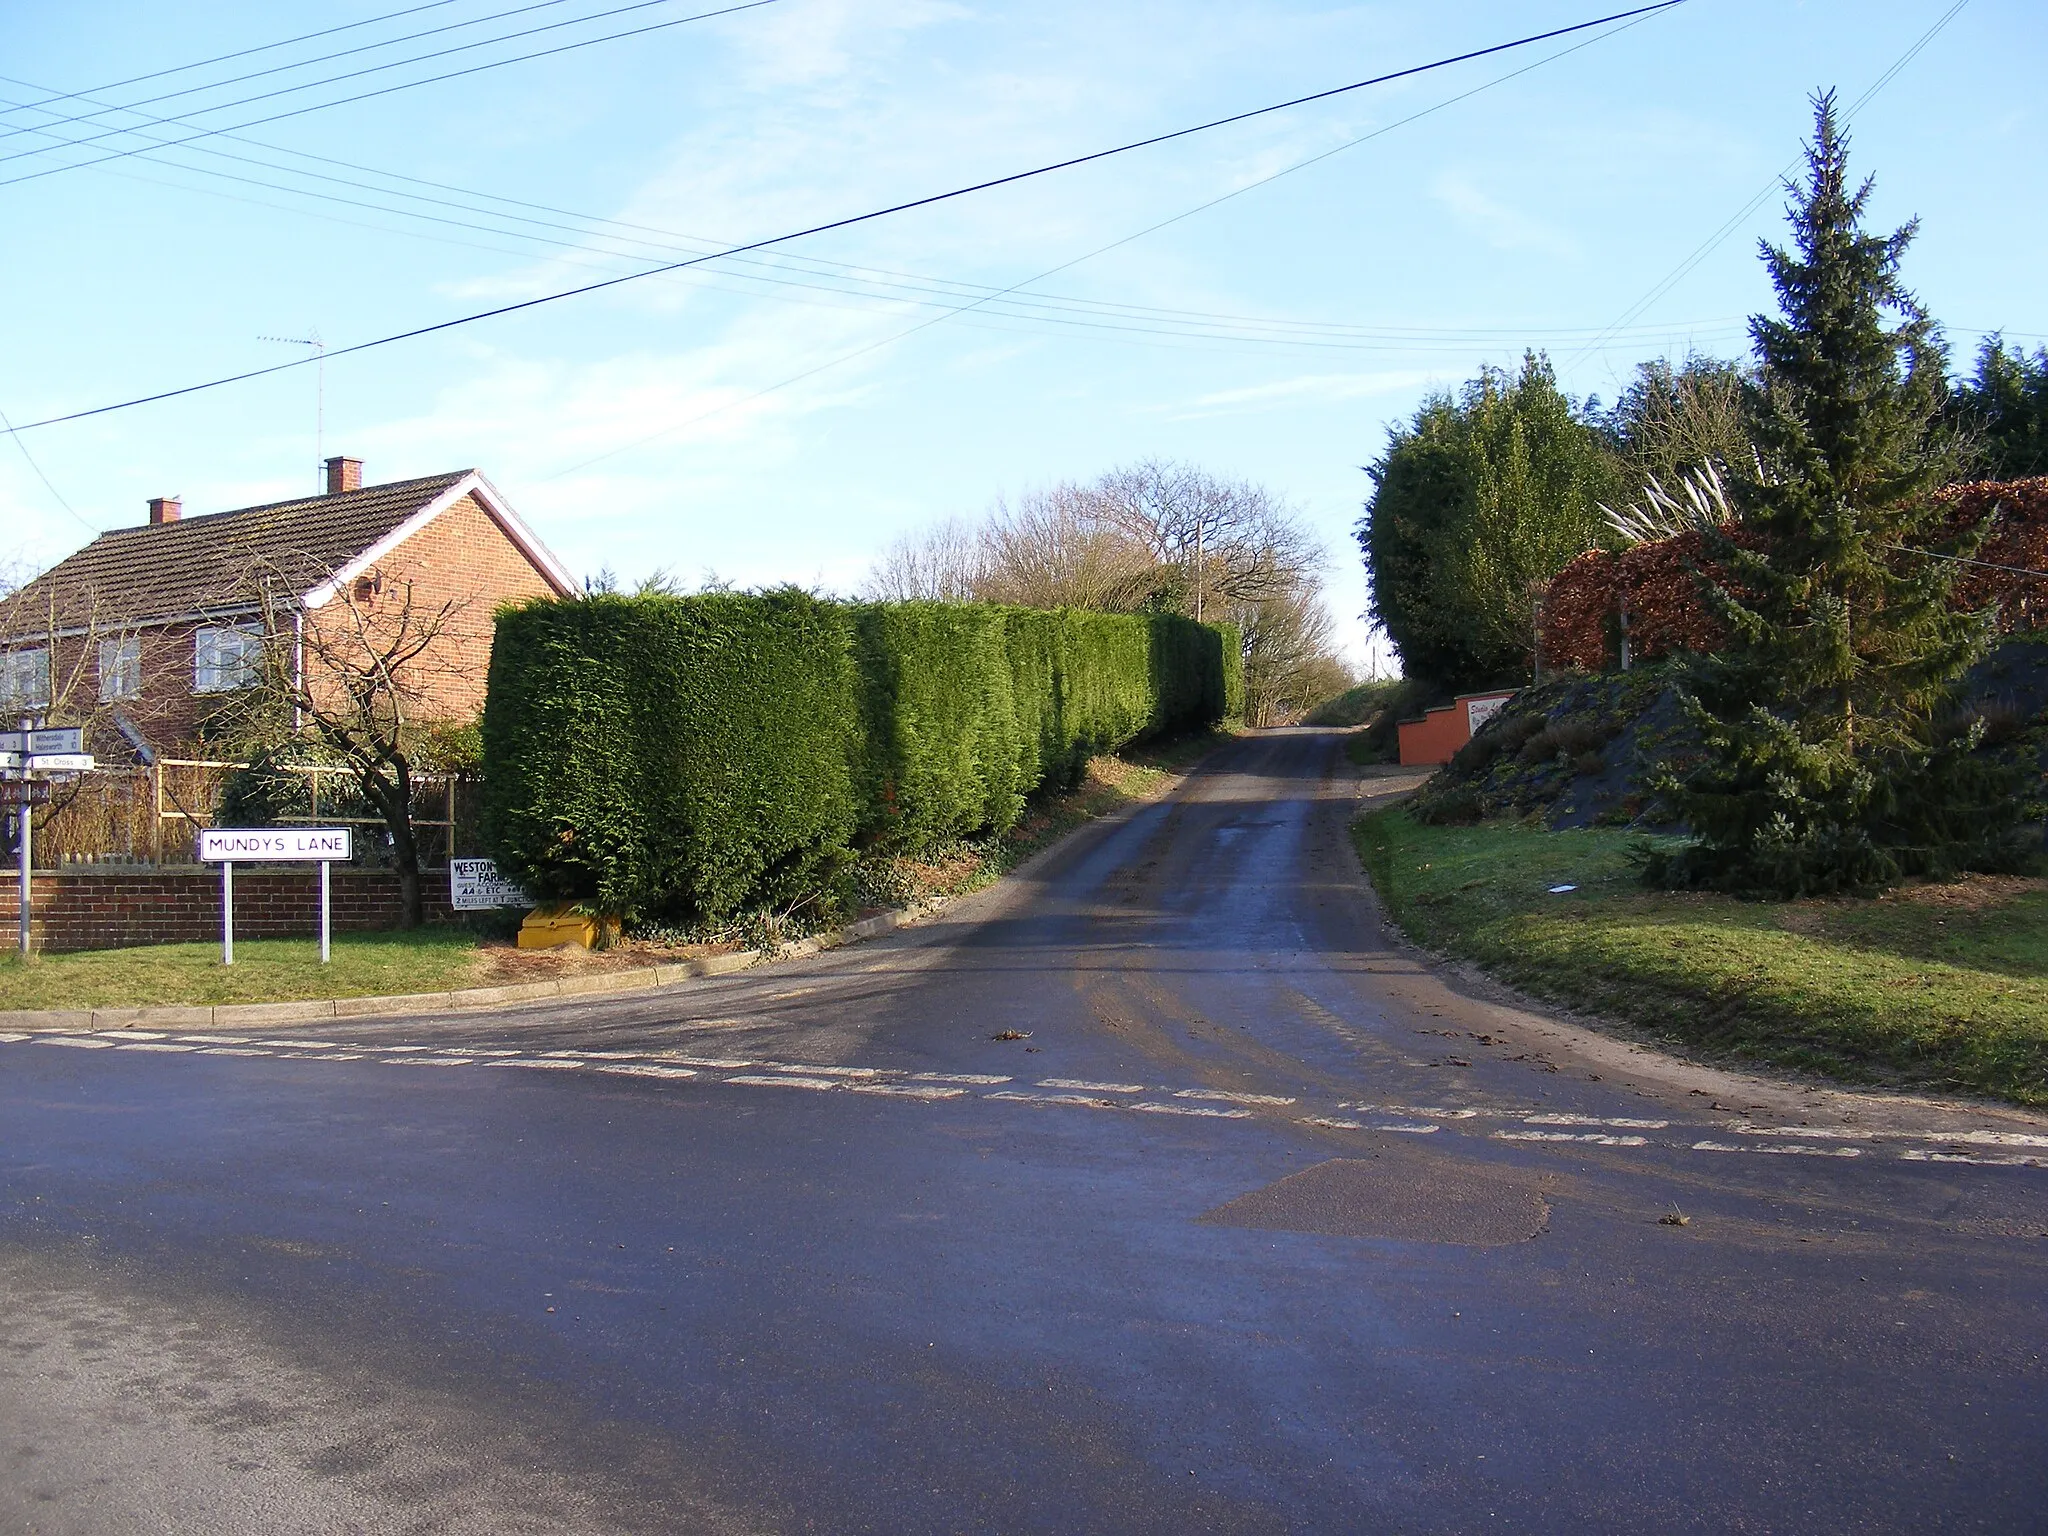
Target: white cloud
[(1305, 389), (1500, 226)]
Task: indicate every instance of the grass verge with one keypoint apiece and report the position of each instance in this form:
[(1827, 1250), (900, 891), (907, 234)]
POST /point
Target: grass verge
[(1941, 986)]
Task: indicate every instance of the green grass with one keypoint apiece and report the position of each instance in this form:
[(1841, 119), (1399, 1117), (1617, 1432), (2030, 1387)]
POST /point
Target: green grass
[(265, 971), (1941, 987)]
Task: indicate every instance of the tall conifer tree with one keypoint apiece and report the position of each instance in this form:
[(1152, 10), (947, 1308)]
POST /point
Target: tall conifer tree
[(1821, 773)]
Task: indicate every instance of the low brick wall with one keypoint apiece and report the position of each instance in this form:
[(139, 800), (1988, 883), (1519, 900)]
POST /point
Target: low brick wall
[(170, 904)]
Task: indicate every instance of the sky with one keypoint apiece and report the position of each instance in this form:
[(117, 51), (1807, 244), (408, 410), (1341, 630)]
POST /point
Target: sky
[(783, 415)]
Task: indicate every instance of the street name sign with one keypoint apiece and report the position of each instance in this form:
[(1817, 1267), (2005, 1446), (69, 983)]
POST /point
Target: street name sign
[(275, 845), (53, 741), (474, 885), (60, 762)]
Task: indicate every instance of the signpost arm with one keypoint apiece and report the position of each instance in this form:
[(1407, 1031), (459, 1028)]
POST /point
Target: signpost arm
[(227, 911), (325, 865)]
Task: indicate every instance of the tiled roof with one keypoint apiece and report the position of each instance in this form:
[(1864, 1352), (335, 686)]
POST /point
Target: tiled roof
[(164, 570)]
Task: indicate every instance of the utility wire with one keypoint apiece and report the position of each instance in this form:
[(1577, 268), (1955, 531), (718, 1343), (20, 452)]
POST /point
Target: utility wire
[(32, 464), (243, 53), (874, 214), (1289, 170), (342, 101), (1742, 215)]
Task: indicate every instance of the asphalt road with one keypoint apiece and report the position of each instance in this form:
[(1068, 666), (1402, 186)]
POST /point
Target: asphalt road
[(1155, 1190)]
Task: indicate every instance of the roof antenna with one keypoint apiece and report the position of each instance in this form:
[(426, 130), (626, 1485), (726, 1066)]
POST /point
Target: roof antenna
[(319, 396)]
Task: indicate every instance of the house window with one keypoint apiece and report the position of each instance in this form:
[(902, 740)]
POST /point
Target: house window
[(120, 668), (25, 679), (226, 658)]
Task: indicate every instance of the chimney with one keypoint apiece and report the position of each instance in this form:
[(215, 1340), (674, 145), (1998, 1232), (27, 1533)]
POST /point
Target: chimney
[(344, 475), (164, 509)]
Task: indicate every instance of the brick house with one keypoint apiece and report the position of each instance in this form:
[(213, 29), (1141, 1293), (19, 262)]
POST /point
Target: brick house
[(148, 629)]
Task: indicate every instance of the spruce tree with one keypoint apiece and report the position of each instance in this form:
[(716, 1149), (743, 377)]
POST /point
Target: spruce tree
[(1821, 772)]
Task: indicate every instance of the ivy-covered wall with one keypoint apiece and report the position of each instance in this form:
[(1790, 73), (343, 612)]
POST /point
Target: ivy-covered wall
[(699, 755)]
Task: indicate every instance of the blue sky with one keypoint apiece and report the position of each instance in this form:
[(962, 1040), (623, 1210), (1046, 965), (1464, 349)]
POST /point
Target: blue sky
[(668, 423)]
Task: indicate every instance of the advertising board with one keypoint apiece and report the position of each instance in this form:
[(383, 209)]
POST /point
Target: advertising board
[(474, 885)]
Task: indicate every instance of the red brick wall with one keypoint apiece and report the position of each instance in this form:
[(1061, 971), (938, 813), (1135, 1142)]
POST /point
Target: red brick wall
[(113, 909)]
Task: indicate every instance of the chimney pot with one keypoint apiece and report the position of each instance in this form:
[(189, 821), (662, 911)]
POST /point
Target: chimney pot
[(344, 475), (164, 509)]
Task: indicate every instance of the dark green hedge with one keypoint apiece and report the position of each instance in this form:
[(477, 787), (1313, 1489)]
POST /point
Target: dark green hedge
[(697, 755)]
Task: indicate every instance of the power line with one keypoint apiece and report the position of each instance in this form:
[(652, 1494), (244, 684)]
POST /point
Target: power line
[(1714, 241), (279, 69), (1203, 207), (243, 53), (879, 213), (342, 101)]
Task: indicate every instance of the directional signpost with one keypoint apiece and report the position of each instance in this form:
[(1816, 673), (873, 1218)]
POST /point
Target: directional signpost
[(28, 756), (229, 846)]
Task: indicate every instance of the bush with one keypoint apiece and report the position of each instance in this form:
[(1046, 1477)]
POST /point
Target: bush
[(687, 757)]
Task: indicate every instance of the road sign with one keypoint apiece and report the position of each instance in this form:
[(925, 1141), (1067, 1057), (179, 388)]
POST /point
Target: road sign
[(53, 741), (474, 885), (60, 762), (275, 845)]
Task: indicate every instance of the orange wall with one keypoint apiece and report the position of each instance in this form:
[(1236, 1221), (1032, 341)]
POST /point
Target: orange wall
[(1439, 733)]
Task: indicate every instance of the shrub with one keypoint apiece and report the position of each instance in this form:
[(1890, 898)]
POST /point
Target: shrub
[(685, 757)]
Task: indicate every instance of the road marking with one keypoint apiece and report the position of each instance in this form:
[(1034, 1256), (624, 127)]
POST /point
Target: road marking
[(1336, 1125), (140, 1034), (151, 1045), (1594, 1138), (1421, 1110), (83, 1045), (642, 1069), (235, 1050), (1787, 1150), (1990, 1139), (429, 1061), (1231, 1098), (1920, 1155), (10, 1038), (321, 1045), (782, 1082), (718, 1062), (1804, 1132), (907, 1090), (547, 1066), (826, 1071), (1009, 1097), (1087, 1087), (978, 1079), (214, 1039), (339, 1056), (1408, 1127), (1627, 1125), (1190, 1109)]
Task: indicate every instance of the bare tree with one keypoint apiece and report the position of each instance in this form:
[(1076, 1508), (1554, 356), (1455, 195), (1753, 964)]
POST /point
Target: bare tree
[(942, 564), (1213, 541), (366, 678)]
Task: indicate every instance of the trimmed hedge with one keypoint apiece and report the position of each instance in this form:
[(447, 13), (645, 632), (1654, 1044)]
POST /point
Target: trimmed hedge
[(698, 755)]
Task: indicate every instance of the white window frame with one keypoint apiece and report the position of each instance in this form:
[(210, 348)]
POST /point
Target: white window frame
[(120, 668), (25, 678), (227, 657)]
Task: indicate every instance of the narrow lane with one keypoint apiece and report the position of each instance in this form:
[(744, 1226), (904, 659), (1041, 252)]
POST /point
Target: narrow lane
[(1159, 1189)]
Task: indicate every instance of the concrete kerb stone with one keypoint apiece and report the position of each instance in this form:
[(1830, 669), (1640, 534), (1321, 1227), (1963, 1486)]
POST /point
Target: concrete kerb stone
[(639, 979)]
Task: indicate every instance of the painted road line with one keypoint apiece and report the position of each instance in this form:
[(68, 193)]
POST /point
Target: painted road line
[(535, 1062), (83, 1045), (214, 1039), (825, 1071), (782, 1082), (643, 1069), (10, 1038), (395, 1049), (140, 1034), (321, 1045), (1787, 1149), (977, 1079), (1191, 1109), (1429, 1111), (156, 1045), (1231, 1098), (1803, 1132), (235, 1050), (907, 1090), (1336, 1125), (1407, 1127), (429, 1061), (1592, 1138), (1975, 1160), (1009, 1097), (717, 1063), (494, 1050), (1625, 1125), (1087, 1087), (1986, 1138), (340, 1056)]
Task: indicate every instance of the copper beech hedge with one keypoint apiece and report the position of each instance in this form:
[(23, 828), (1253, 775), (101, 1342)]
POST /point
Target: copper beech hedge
[(1659, 586)]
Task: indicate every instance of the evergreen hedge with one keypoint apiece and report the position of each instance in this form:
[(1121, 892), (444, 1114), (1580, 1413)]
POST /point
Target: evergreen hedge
[(693, 756)]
